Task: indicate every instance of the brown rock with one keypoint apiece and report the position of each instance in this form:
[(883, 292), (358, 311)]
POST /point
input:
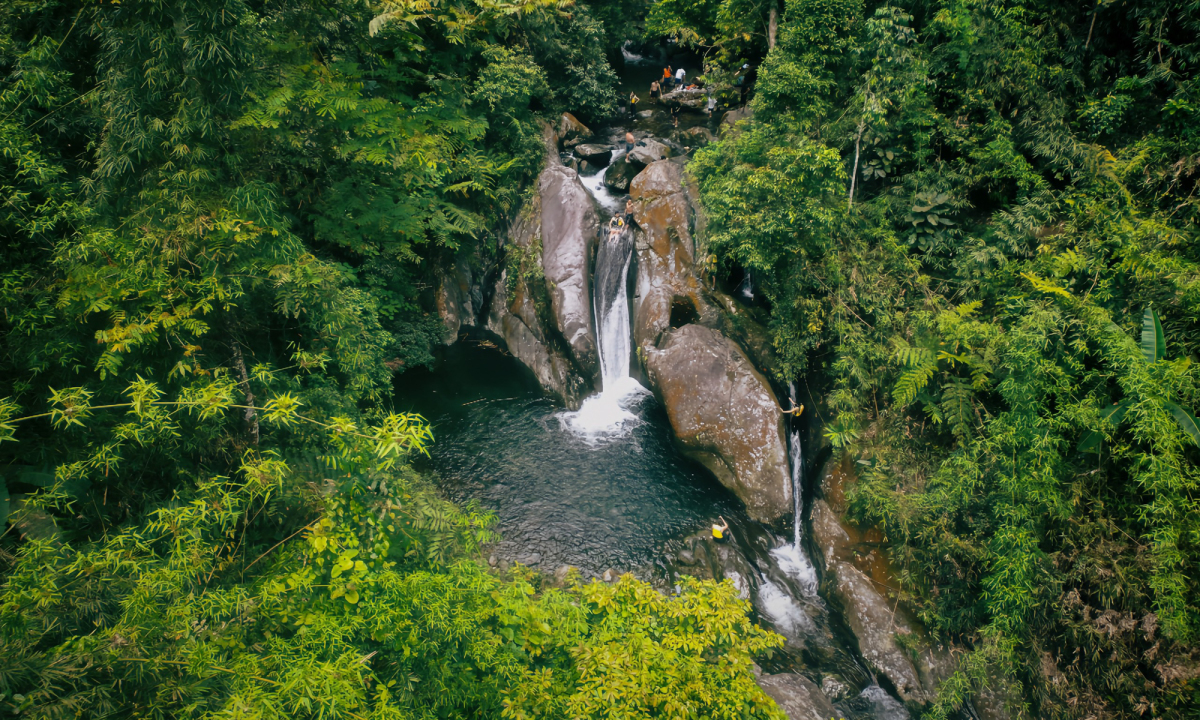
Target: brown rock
[(725, 415), (659, 179), (798, 697), (647, 151), (570, 129)]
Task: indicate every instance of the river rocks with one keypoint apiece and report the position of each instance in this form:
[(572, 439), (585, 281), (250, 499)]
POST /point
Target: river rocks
[(798, 697), (620, 174), (725, 416), (572, 132), (598, 155), (569, 226), (647, 151)]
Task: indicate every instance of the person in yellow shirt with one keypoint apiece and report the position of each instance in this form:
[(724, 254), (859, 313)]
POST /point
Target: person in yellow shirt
[(719, 531)]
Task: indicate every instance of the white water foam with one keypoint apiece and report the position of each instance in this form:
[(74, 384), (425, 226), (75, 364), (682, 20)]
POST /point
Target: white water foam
[(631, 57), (796, 565), (784, 613), (595, 185)]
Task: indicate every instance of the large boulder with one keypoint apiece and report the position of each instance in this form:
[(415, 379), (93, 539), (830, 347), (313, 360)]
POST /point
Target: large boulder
[(735, 116), (569, 226), (620, 174), (571, 132), (659, 179), (725, 416), (598, 155), (647, 151), (691, 99), (666, 280), (798, 697)]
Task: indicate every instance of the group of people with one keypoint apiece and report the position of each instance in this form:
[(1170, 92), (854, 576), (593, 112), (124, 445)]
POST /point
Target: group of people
[(669, 81)]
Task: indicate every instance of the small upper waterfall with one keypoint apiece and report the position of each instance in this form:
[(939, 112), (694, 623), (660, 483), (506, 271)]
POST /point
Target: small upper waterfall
[(607, 415), (746, 288)]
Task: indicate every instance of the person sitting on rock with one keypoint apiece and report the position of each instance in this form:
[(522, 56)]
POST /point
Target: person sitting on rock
[(719, 531)]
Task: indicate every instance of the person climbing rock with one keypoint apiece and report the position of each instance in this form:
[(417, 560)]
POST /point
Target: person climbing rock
[(719, 531), (629, 211)]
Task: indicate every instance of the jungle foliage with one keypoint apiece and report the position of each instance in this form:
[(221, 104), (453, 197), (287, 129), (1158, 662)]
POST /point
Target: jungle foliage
[(219, 224), (978, 221)]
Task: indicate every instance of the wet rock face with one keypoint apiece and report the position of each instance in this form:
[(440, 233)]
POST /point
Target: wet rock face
[(659, 179), (797, 696), (458, 299), (620, 174), (598, 155), (569, 225), (725, 415), (871, 618), (647, 151), (860, 577)]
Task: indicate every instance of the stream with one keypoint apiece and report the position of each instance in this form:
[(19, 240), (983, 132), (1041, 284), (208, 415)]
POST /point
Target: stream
[(605, 488)]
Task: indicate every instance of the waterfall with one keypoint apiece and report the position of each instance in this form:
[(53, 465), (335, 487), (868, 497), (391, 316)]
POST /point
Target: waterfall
[(606, 415), (746, 289), (791, 558), (610, 301)]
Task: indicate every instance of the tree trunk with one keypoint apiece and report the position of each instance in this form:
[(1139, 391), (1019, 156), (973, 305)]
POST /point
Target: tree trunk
[(862, 124), (772, 27), (239, 364)]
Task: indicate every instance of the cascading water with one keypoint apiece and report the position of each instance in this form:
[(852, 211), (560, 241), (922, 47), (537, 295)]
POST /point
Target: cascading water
[(606, 415), (791, 558), (746, 289)]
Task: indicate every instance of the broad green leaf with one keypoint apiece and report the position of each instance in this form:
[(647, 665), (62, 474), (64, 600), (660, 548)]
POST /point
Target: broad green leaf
[(1187, 422), (1154, 345), (1092, 440)]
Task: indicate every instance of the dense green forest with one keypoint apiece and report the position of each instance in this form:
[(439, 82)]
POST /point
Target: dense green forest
[(974, 224)]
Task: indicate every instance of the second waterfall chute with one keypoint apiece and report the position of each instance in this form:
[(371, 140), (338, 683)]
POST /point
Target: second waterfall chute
[(607, 414)]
